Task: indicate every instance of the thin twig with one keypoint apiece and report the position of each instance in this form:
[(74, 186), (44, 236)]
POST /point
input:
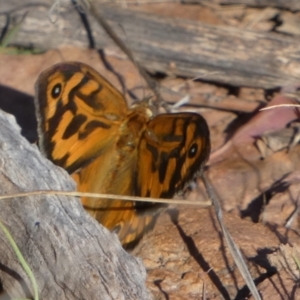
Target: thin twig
[(234, 250), (109, 30), (106, 196), (280, 105)]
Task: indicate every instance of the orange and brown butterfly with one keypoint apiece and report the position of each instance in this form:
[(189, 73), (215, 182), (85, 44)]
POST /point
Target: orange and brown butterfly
[(86, 127)]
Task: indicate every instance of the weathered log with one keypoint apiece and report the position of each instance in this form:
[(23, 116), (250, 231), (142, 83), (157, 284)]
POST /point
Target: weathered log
[(286, 4), (70, 254), (224, 54)]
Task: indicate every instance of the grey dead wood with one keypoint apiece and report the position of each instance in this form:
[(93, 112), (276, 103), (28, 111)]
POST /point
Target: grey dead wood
[(173, 46), (70, 254)]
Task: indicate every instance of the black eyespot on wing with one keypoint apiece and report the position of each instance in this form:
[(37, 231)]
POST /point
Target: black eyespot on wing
[(193, 151), (56, 90)]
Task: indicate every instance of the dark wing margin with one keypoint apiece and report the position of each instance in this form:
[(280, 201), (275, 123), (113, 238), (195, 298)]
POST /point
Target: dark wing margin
[(173, 150)]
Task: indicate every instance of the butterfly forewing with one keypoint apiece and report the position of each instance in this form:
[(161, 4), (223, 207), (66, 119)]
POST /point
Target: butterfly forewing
[(79, 114), (173, 149)]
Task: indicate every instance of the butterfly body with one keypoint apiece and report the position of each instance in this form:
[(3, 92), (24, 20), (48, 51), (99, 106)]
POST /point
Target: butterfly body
[(86, 127)]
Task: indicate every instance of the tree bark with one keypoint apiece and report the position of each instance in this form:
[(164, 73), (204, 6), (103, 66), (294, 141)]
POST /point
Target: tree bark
[(70, 254), (228, 55)]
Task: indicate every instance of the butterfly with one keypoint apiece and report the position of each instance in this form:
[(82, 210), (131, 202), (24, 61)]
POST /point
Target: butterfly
[(86, 127)]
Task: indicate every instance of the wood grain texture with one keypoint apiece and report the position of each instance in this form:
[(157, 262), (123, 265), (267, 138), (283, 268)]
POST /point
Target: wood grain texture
[(287, 4), (71, 255), (174, 46)]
